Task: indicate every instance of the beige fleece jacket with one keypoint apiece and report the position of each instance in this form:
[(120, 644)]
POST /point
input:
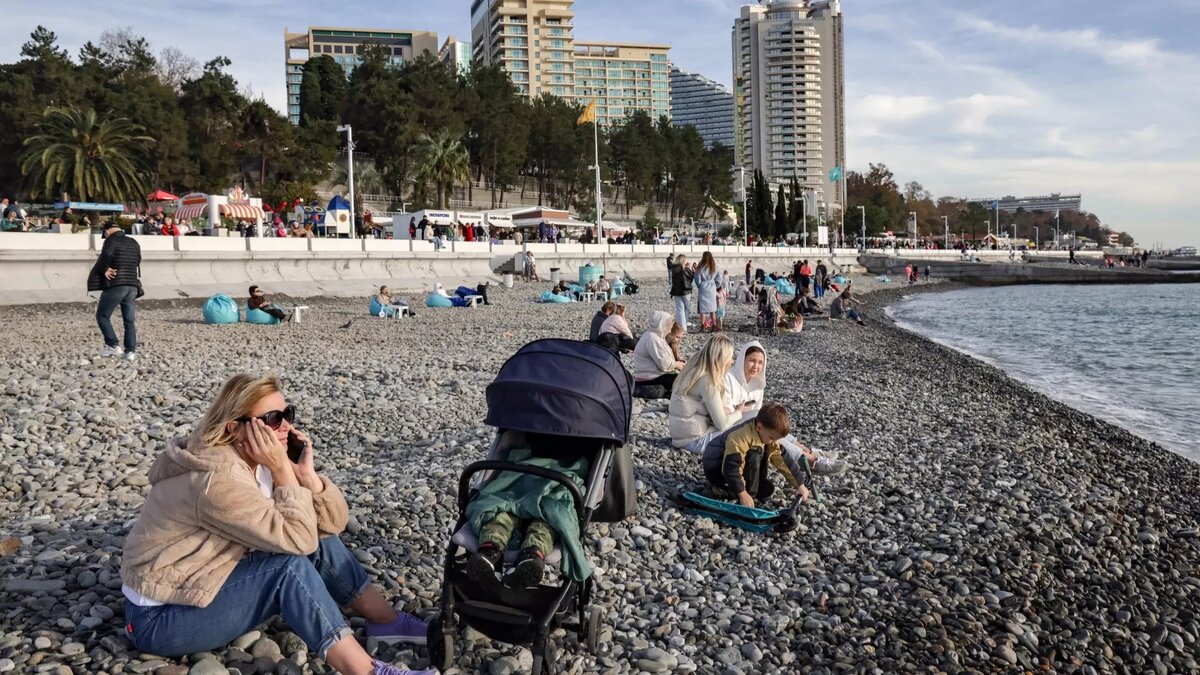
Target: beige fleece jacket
[(205, 511)]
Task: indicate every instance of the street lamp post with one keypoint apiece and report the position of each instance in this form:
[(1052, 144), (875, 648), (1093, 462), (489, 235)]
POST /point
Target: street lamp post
[(913, 215), (745, 214), (350, 172), (862, 210), (946, 224), (1037, 237)]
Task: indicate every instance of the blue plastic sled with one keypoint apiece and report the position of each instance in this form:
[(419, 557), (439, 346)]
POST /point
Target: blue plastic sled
[(747, 518)]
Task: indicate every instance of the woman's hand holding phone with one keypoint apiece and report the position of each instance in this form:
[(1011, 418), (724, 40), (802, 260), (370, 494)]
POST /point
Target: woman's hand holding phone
[(262, 447), (305, 469)]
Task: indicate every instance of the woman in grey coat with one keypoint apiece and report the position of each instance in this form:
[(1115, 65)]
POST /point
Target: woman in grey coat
[(706, 280)]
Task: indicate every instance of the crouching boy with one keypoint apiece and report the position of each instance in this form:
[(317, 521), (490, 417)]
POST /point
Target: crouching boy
[(737, 461), (532, 510)]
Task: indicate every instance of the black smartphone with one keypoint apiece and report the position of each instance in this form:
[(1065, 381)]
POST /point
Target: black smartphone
[(295, 449)]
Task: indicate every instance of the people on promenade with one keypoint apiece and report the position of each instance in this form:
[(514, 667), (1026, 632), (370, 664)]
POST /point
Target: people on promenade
[(116, 275), (737, 461), (615, 332), (707, 279), (698, 409), (681, 287), (235, 531), (258, 300), (845, 305), (655, 363)]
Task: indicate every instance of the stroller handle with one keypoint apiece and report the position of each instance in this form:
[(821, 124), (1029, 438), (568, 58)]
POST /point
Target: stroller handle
[(464, 482)]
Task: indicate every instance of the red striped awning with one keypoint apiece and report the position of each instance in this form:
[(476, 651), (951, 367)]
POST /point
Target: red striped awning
[(240, 211), (190, 211)]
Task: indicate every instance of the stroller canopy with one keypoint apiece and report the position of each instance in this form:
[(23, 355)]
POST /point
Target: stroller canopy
[(564, 388)]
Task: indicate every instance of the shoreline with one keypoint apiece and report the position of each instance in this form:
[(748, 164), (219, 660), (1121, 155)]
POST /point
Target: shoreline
[(982, 525)]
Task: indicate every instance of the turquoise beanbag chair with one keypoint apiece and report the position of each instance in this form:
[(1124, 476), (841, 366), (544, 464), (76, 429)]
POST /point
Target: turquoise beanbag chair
[(260, 317), (784, 288), (554, 299), (435, 300), (221, 309), (375, 308)]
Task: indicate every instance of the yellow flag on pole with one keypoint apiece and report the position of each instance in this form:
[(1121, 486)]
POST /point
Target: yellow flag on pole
[(589, 114)]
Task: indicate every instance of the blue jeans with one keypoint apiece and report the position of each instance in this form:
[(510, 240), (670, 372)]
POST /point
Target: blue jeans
[(681, 310), (125, 296), (307, 591)]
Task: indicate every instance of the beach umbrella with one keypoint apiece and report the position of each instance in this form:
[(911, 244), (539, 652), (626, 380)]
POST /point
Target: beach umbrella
[(161, 196)]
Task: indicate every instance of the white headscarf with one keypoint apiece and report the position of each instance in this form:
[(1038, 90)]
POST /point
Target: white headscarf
[(737, 388)]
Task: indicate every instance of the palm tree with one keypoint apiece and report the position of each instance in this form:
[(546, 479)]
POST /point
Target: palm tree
[(367, 180), (444, 161), (89, 157)]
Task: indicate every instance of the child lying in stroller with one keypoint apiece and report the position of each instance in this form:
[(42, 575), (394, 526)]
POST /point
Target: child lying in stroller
[(534, 508)]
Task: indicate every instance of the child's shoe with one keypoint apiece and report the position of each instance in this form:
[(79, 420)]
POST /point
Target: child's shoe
[(529, 570), (484, 564)]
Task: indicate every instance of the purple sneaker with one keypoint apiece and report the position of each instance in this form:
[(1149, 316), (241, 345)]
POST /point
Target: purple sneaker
[(406, 628), (382, 668)]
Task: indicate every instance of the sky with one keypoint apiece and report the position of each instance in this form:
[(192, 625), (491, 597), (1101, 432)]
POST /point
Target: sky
[(970, 98)]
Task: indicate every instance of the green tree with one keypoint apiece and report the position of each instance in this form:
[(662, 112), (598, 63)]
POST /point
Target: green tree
[(323, 90), (213, 109), (780, 226), (444, 162), (498, 139), (88, 157)]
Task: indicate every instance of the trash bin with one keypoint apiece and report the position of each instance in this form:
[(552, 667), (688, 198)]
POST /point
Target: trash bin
[(508, 280), (554, 275)]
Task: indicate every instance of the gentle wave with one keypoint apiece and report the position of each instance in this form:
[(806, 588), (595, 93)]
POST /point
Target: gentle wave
[(1126, 354)]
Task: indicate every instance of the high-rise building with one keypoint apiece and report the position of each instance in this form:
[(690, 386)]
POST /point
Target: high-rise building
[(457, 55), (704, 104), (623, 77), (531, 39), (1051, 202), (788, 87), (346, 46)]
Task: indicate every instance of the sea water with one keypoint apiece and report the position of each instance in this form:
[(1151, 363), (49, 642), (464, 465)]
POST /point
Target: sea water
[(1127, 354)]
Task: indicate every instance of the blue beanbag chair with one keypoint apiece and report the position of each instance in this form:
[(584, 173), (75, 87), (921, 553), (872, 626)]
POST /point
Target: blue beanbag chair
[(435, 300), (555, 299), (221, 309), (260, 317), (375, 308), (839, 280), (784, 288), (576, 288)]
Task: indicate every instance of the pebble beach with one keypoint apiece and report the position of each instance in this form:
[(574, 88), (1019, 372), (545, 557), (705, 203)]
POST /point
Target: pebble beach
[(982, 527)]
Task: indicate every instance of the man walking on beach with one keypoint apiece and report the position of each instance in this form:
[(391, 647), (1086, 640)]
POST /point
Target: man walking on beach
[(748, 268), (115, 274)]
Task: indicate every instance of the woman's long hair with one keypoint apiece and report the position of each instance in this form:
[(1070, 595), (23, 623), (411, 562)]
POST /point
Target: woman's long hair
[(708, 264), (708, 366), (237, 398)]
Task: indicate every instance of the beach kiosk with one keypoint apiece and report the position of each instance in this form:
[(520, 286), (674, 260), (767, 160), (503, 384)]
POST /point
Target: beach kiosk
[(435, 217), (234, 204), (338, 219)]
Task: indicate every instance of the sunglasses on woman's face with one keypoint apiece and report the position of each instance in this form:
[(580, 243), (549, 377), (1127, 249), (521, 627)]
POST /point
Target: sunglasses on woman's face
[(275, 418)]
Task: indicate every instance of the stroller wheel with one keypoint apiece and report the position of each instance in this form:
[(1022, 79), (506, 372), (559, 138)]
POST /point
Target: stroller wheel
[(441, 645), (543, 664), (591, 630)]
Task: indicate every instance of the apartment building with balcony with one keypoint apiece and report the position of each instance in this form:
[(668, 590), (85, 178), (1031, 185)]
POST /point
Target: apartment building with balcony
[(532, 40), (789, 95), (623, 77), (346, 46), (699, 102)]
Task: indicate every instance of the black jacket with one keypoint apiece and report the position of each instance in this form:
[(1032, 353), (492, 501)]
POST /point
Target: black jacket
[(122, 253), (681, 279), (597, 321)]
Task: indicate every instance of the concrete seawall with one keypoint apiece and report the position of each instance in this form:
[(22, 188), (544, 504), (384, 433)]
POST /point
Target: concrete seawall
[(1006, 273), (53, 268)]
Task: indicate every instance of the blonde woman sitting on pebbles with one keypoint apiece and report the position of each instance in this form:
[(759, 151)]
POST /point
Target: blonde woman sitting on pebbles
[(235, 532), (698, 410), (746, 384)]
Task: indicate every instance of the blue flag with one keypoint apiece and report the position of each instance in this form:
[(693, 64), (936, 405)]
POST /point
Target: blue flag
[(835, 174), (996, 204)]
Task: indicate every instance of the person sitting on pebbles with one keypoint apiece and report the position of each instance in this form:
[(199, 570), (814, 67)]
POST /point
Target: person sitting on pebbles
[(598, 320), (238, 529), (737, 461), (615, 333), (697, 411), (844, 306), (655, 362), (258, 300), (745, 388)]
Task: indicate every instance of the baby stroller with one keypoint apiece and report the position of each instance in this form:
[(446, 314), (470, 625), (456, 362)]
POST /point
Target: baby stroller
[(768, 311), (562, 388), (631, 284)]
